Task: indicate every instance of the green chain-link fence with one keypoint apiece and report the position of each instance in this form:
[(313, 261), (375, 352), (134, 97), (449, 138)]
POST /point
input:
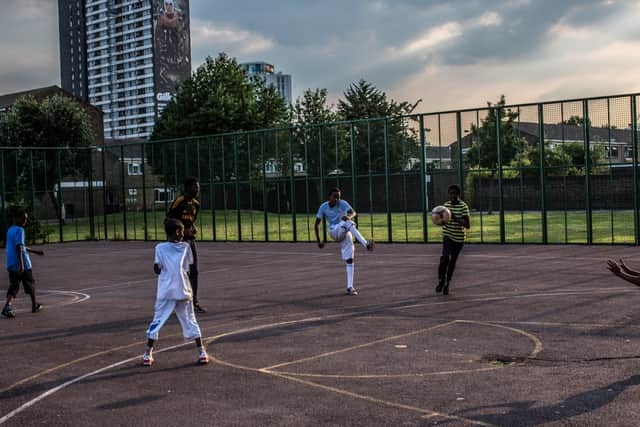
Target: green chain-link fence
[(553, 172)]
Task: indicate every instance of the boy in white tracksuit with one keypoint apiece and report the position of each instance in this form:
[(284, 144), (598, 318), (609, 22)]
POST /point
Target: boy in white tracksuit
[(342, 229), (171, 263)]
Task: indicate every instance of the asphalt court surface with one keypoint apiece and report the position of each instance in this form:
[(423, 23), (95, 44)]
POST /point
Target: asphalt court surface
[(530, 335)]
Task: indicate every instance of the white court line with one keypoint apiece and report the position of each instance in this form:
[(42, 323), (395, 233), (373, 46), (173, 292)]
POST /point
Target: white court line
[(64, 385), (78, 297)]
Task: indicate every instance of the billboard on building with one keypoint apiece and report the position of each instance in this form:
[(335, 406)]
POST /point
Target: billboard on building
[(172, 47)]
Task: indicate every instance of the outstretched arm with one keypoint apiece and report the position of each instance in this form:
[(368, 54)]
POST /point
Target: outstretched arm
[(616, 270), (626, 269)]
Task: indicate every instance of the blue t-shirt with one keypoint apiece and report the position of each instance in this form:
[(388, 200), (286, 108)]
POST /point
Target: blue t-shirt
[(15, 237), (334, 214)]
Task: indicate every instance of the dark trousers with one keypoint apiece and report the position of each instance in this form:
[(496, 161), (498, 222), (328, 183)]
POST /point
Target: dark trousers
[(193, 270), (450, 252)]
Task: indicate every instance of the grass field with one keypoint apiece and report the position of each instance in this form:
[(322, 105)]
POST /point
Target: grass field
[(520, 227)]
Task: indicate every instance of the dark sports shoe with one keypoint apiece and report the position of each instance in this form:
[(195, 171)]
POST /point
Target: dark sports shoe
[(351, 292), (36, 308), (198, 308), (445, 290), (439, 287), (371, 245), (7, 312)]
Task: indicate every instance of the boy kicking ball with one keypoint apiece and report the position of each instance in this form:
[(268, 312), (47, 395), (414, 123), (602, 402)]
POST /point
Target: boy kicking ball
[(342, 229), (172, 261)]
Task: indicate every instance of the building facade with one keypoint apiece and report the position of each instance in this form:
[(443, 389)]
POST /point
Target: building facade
[(281, 82), (125, 57)]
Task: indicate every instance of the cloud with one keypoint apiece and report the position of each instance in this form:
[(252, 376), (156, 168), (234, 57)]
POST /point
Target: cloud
[(208, 35)]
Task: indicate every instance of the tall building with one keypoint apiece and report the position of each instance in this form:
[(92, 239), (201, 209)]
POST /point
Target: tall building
[(125, 57), (281, 82)]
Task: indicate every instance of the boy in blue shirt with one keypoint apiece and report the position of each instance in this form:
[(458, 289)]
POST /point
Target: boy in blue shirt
[(19, 264), (342, 229)]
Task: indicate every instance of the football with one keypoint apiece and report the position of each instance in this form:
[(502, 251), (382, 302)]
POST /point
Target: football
[(440, 215)]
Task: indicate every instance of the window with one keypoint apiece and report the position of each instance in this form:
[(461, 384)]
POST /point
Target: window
[(611, 153), (628, 153), (135, 169), (160, 195)]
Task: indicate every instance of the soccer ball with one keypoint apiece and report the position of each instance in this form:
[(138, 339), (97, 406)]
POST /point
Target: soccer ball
[(440, 215)]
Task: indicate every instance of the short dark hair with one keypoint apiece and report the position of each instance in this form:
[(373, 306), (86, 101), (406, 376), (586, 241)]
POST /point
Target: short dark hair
[(190, 180), (19, 213), (455, 188), (172, 225), (335, 190)]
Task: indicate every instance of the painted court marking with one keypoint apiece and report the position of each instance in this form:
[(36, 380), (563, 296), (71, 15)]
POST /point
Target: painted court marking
[(294, 377)]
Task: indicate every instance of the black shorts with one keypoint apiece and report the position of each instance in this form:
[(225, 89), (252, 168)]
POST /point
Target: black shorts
[(15, 278)]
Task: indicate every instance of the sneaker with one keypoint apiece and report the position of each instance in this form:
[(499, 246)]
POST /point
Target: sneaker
[(198, 308), (439, 287), (147, 359), (371, 245), (36, 308), (203, 359), (7, 312), (351, 292)]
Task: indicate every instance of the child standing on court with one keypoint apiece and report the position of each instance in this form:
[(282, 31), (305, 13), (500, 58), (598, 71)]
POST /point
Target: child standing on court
[(342, 229), (19, 264), (453, 236), (186, 208), (171, 263)]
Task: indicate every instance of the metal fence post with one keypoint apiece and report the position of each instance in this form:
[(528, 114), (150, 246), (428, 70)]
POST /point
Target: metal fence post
[(144, 192), (387, 181), (543, 191), (265, 196), (237, 187), (122, 187), (354, 174), (92, 225), (104, 193), (587, 169), (212, 189), (498, 113), (423, 180), (292, 183), (634, 156), (60, 203), (460, 162)]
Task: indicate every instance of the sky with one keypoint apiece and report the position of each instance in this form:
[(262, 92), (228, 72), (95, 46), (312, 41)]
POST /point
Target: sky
[(450, 53)]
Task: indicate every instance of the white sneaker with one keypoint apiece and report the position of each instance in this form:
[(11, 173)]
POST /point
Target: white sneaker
[(147, 359), (203, 359)]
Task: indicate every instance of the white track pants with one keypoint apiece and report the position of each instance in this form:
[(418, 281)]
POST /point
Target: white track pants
[(343, 232), (185, 314)]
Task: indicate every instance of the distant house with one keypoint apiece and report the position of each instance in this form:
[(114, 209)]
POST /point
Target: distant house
[(273, 168), (435, 157), (617, 143)]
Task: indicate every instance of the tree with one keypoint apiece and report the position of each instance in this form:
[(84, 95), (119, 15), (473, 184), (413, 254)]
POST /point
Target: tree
[(576, 121), (312, 108), (56, 122), (484, 152), (362, 100), (219, 97)]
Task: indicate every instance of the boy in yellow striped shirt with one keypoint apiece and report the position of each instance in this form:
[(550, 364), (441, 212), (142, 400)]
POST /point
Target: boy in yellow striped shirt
[(453, 237)]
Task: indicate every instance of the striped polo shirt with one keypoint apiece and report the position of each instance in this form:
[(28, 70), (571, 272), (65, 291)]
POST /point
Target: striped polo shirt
[(452, 229)]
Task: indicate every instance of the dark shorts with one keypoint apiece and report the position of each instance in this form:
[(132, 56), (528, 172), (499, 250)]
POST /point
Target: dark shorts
[(15, 278)]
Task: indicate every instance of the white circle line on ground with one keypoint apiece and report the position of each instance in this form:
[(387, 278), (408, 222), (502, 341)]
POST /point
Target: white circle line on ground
[(66, 384), (78, 297)]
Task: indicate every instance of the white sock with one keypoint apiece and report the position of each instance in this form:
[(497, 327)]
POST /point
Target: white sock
[(358, 236), (349, 276)]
